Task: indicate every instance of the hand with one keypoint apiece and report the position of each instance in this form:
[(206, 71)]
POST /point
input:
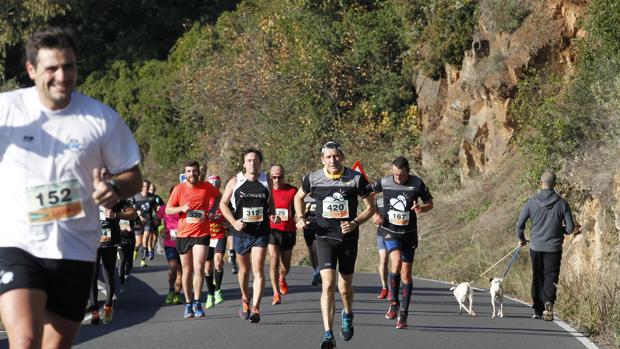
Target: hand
[(275, 219), (348, 226), (109, 214), (185, 208), (103, 194), (377, 219), (417, 208), (301, 223), (522, 243), (238, 225)]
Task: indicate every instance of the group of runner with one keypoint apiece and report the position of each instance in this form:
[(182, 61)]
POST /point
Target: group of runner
[(67, 157)]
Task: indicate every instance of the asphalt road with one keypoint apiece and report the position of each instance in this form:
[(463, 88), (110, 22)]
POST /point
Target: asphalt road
[(141, 320)]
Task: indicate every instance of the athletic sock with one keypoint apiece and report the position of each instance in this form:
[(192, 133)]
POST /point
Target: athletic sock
[(407, 290), (219, 275), (317, 271), (394, 285), (210, 286)]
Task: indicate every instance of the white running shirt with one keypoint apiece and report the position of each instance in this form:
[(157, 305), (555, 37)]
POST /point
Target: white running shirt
[(47, 159)]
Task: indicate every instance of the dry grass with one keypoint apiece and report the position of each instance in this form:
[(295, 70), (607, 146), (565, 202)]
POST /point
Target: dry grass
[(590, 301)]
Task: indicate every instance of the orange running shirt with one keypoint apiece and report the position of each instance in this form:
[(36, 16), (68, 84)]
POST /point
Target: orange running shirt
[(195, 222)]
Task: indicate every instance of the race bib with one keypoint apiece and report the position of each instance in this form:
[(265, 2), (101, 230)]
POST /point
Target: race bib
[(54, 202), (106, 235), (335, 209), (124, 225), (282, 213), (195, 216), (173, 234), (252, 215), (213, 242), (398, 217)]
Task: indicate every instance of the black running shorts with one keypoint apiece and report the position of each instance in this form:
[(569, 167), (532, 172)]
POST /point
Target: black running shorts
[(285, 240), (330, 252), (186, 244), (66, 282)]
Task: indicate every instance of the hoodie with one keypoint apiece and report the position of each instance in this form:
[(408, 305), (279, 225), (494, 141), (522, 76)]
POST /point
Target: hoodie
[(551, 219)]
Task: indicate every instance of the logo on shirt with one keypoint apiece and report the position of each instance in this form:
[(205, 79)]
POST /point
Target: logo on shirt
[(75, 145), (336, 197), (28, 138), (399, 202), (252, 195), (6, 277)]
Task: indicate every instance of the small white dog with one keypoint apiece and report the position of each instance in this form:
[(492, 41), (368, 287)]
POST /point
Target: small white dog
[(497, 296), (463, 292)]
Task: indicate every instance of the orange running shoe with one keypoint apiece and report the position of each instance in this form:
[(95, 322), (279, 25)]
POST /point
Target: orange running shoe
[(244, 311), (283, 286), (276, 299)]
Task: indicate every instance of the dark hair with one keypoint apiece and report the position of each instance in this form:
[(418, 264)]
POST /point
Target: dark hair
[(52, 37), (192, 163), (401, 163), (548, 179), (146, 181), (247, 151)]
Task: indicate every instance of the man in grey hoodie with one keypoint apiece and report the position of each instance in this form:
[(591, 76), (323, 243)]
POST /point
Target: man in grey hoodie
[(551, 219)]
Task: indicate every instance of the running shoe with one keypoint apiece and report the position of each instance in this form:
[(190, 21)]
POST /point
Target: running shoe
[(254, 315), (107, 313), (198, 311), (135, 254), (283, 286), (94, 319), (548, 312), (401, 322), (189, 311), (177, 298), (143, 263), (210, 302), (151, 255), (316, 280), (235, 269), (537, 316), (389, 297), (383, 293), (219, 297), (392, 312), (170, 298), (346, 331), (244, 311), (276, 299), (329, 342)]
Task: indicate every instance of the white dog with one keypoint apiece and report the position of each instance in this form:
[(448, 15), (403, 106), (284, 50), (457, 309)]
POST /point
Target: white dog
[(463, 292), (497, 296)]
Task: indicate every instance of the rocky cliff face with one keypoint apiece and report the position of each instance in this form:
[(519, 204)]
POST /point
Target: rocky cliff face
[(467, 114)]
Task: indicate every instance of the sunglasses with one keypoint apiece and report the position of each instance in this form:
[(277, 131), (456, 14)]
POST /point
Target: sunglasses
[(276, 177)]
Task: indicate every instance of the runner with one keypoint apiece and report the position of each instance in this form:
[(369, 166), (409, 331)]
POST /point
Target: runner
[(106, 255), (190, 200), (310, 237), (53, 142), (170, 225), (336, 189), (156, 223), (126, 249), (249, 193), (282, 237), (145, 204), (383, 255), (398, 225), (217, 247)]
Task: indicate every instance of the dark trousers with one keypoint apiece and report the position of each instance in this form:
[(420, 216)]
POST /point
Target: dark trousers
[(545, 276), (106, 257)]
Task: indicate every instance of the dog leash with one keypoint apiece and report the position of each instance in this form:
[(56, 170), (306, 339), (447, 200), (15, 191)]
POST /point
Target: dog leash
[(512, 260), (499, 261)]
